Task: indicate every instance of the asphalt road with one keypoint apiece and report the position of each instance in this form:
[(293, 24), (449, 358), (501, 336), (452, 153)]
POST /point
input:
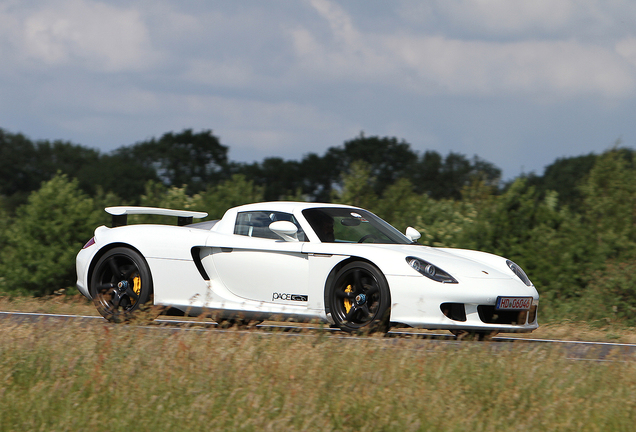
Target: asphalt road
[(574, 350)]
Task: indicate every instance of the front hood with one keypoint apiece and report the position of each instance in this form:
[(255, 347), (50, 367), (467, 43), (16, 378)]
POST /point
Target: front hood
[(457, 262), (478, 265)]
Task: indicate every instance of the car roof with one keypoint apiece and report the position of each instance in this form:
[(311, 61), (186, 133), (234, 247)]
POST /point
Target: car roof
[(226, 224)]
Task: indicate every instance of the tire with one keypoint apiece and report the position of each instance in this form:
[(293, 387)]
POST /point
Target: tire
[(121, 284), (359, 299)]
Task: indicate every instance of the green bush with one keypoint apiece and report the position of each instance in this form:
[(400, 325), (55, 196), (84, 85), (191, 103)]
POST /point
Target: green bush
[(238, 190), (610, 296), (40, 245)]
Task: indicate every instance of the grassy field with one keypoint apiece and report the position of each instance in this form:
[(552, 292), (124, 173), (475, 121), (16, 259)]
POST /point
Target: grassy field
[(121, 378), (101, 377)]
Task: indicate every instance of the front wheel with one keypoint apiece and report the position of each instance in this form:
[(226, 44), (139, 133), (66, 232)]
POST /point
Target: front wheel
[(121, 283), (359, 299)]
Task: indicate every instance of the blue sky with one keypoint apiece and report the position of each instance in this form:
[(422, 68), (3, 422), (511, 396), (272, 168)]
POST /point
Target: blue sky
[(518, 83)]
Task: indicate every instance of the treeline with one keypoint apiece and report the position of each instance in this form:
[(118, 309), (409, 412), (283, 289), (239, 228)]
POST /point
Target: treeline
[(199, 160), (573, 228)]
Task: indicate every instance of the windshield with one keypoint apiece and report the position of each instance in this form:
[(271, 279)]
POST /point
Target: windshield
[(352, 226)]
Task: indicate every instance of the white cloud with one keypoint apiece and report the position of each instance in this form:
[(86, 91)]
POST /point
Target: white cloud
[(348, 55), (436, 64), (500, 17), (92, 34), (627, 49), (228, 73), (538, 19), (338, 19), (566, 68)]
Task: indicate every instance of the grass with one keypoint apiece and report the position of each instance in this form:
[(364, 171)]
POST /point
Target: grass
[(562, 330), (119, 378), (62, 304)]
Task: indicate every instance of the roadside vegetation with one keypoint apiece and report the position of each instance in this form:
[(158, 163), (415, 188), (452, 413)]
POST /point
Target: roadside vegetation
[(573, 228), (111, 378)]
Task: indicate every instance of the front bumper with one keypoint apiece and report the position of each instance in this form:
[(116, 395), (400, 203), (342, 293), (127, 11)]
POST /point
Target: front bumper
[(468, 305)]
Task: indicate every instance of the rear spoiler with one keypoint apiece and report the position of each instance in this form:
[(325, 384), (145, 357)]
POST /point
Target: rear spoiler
[(120, 214)]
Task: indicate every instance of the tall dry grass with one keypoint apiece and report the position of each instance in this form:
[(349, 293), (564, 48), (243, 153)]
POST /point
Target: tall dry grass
[(126, 378), (563, 329)]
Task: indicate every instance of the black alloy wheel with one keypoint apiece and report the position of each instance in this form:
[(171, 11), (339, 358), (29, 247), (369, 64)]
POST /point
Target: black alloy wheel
[(121, 284), (359, 299)]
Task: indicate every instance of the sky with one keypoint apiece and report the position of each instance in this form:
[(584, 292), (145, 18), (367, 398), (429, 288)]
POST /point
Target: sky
[(517, 83)]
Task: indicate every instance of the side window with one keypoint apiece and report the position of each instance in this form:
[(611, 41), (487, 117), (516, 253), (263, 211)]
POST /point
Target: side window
[(256, 224)]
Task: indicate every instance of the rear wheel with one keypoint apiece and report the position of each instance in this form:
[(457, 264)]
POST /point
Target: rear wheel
[(121, 284), (359, 299)]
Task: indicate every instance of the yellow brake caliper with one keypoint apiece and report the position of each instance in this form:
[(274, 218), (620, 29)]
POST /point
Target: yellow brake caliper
[(347, 302), (136, 286)]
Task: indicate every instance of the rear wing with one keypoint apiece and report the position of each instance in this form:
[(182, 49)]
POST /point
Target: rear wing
[(120, 214)]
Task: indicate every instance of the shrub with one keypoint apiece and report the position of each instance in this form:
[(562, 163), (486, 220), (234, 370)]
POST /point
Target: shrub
[(38, 255)]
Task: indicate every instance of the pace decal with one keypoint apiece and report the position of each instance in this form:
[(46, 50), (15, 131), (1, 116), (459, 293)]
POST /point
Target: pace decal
[(291, 297)]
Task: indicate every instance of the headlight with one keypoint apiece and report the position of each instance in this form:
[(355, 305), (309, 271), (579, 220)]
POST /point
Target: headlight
[(519, 272), (430, 271)]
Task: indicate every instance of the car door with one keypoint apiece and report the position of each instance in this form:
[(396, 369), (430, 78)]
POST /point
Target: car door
[(259, 265)]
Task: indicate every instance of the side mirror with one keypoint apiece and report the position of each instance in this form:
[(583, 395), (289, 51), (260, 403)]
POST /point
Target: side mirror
[(413, 234), (285, 230)]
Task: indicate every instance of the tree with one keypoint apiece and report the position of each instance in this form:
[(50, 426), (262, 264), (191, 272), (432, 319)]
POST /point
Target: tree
[(357, 187), (387, 158), (401, 206), (315, 177), (197, 160), (40, 246), (564, 177), (215, 200), (609, 197), (123, 173), (71, 159), (24, 165), (611, 295), (18, 171), (609, 200), (319, 174), (238, 190), (445, 177), (5, 222), (279, 177)]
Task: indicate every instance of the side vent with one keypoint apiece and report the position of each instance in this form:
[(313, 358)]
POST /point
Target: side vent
[(454, 311)]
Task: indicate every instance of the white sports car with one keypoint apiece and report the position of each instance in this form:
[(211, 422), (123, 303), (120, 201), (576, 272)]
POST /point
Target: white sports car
[(301, 262)]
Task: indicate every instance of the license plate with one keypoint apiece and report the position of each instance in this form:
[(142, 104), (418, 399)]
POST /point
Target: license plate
[(513, 303)]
